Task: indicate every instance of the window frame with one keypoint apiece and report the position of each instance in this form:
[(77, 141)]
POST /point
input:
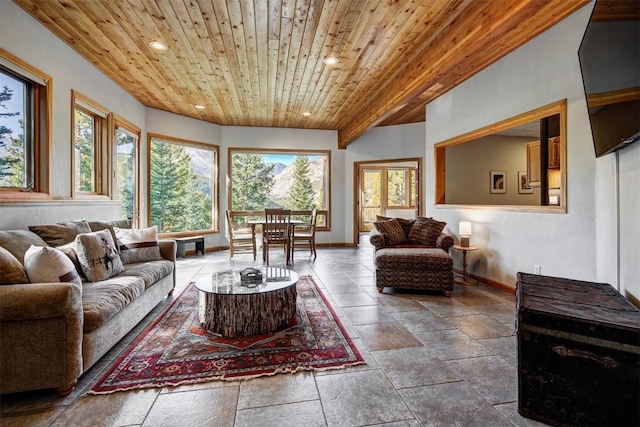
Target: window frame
[(215, 186), (102, 161), (120, 122), (286, 151), (40, 146)]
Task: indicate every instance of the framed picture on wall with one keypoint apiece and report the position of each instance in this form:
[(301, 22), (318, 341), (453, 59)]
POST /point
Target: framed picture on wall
[(523, 183), (498, 182)]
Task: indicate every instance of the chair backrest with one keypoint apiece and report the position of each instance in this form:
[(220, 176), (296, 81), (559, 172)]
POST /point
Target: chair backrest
[(276, 224), (229, 225), (314, 220)]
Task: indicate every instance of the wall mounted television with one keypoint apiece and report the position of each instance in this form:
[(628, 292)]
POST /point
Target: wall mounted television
[(610, 63)]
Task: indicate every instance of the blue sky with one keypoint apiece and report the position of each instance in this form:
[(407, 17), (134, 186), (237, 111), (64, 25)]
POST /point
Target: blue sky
[(285, 159), (14, 105)]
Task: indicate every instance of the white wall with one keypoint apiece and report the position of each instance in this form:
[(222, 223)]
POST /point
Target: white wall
[(543, 71), (25, 38), (388, 142), (629, 167), (468, 169)]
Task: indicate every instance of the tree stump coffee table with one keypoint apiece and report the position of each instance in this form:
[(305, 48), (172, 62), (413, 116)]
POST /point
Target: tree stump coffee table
[(230, 308)]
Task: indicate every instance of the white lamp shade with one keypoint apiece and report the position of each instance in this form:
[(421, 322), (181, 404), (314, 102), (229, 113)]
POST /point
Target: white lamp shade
[(464, 228)]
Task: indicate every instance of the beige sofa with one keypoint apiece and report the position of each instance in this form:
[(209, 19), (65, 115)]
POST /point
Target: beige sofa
[(51, 333)]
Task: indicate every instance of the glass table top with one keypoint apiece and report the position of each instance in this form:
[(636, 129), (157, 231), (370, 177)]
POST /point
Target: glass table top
[(228, 282)]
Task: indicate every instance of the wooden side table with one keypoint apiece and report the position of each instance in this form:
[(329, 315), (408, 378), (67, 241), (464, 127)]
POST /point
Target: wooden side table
[(464, 280)]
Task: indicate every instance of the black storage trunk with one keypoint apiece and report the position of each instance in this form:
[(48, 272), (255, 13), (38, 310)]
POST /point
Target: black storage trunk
[(578, 353)]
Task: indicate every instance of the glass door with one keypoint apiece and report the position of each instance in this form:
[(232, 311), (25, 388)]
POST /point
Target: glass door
[(370, 200)]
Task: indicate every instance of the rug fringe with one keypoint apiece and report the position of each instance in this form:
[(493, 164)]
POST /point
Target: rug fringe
[(289, 370)]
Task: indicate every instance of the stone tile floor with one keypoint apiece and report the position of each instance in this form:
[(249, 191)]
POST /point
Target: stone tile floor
[(431, 361)]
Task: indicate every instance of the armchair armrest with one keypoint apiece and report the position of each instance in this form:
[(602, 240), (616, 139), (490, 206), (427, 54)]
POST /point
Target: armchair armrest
[(376, 239), (444, 242)]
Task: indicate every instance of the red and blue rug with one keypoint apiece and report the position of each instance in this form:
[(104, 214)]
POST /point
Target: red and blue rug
[(175, 350)]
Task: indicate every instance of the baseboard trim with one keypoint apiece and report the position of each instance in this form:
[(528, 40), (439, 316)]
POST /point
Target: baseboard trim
[(496, 284)]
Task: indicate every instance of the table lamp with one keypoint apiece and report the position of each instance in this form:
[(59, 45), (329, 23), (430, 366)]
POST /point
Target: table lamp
[(464, 229)]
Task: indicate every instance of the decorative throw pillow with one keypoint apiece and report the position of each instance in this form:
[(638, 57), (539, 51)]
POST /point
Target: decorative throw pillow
[(70, 250), (48, 265), (425, 231), (11, 271), (406, 224), (109, 224), (139, 245), (392, 232), (62, 232), (98, 255)]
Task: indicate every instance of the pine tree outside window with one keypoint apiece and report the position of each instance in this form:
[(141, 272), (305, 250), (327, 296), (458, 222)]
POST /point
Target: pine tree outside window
[(183, 185), (292, 179), (25, 103)]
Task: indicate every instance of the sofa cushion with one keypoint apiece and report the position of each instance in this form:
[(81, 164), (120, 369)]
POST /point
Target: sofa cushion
[(108, 225), (138, 245), (62, 232), (103, 300), (70, 250), (392, 231), (430, 259), (150, 272), (406, 224), (425, 231), (98, 255), (49, 265), (18, 241), (11, 270)]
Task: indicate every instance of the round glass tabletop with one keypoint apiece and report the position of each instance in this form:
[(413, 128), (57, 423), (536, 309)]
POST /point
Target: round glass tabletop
[(229, 282)]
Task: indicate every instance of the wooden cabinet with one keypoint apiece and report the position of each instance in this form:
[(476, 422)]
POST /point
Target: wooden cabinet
[(554, 152), (533, 164), (533, 159)]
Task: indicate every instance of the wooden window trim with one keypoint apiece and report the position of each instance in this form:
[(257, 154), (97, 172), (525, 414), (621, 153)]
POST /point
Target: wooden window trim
[(102, 160), (215, 215), (558, 107), (42, 134), (326, 212)]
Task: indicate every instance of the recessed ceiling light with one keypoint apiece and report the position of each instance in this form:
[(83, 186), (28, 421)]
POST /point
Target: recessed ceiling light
[(306, 114), (199, 107), (158, 45), (331, 60)]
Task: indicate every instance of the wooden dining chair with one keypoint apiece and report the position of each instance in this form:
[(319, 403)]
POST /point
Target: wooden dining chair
[(242, 237), (304, 236), (275, 231)]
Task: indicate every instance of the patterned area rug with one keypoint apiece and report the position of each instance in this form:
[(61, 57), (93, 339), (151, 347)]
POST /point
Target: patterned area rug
[(175, 350)]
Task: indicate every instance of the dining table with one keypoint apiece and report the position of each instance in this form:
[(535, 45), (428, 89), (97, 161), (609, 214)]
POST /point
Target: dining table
[(292, 224)]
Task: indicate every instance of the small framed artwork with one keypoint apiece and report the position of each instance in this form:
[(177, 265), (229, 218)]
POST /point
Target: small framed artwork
[(498, 182), (523, 184)]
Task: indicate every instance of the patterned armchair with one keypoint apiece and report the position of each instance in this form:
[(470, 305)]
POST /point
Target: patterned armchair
[(412, 254)]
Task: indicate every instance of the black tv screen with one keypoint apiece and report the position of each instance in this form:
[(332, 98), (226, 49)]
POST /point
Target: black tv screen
[(610, 64)]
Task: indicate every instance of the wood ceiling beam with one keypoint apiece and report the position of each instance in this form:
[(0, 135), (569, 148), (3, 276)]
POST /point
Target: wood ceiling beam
[(494, 28)]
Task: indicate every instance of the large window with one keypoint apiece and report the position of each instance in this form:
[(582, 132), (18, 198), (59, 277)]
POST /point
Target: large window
[(90, 159), (25, 99), (126, 184), (296, 180), (183, 185)]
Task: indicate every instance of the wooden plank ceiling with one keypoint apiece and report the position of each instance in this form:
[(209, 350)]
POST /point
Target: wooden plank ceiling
[(260, 62)]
